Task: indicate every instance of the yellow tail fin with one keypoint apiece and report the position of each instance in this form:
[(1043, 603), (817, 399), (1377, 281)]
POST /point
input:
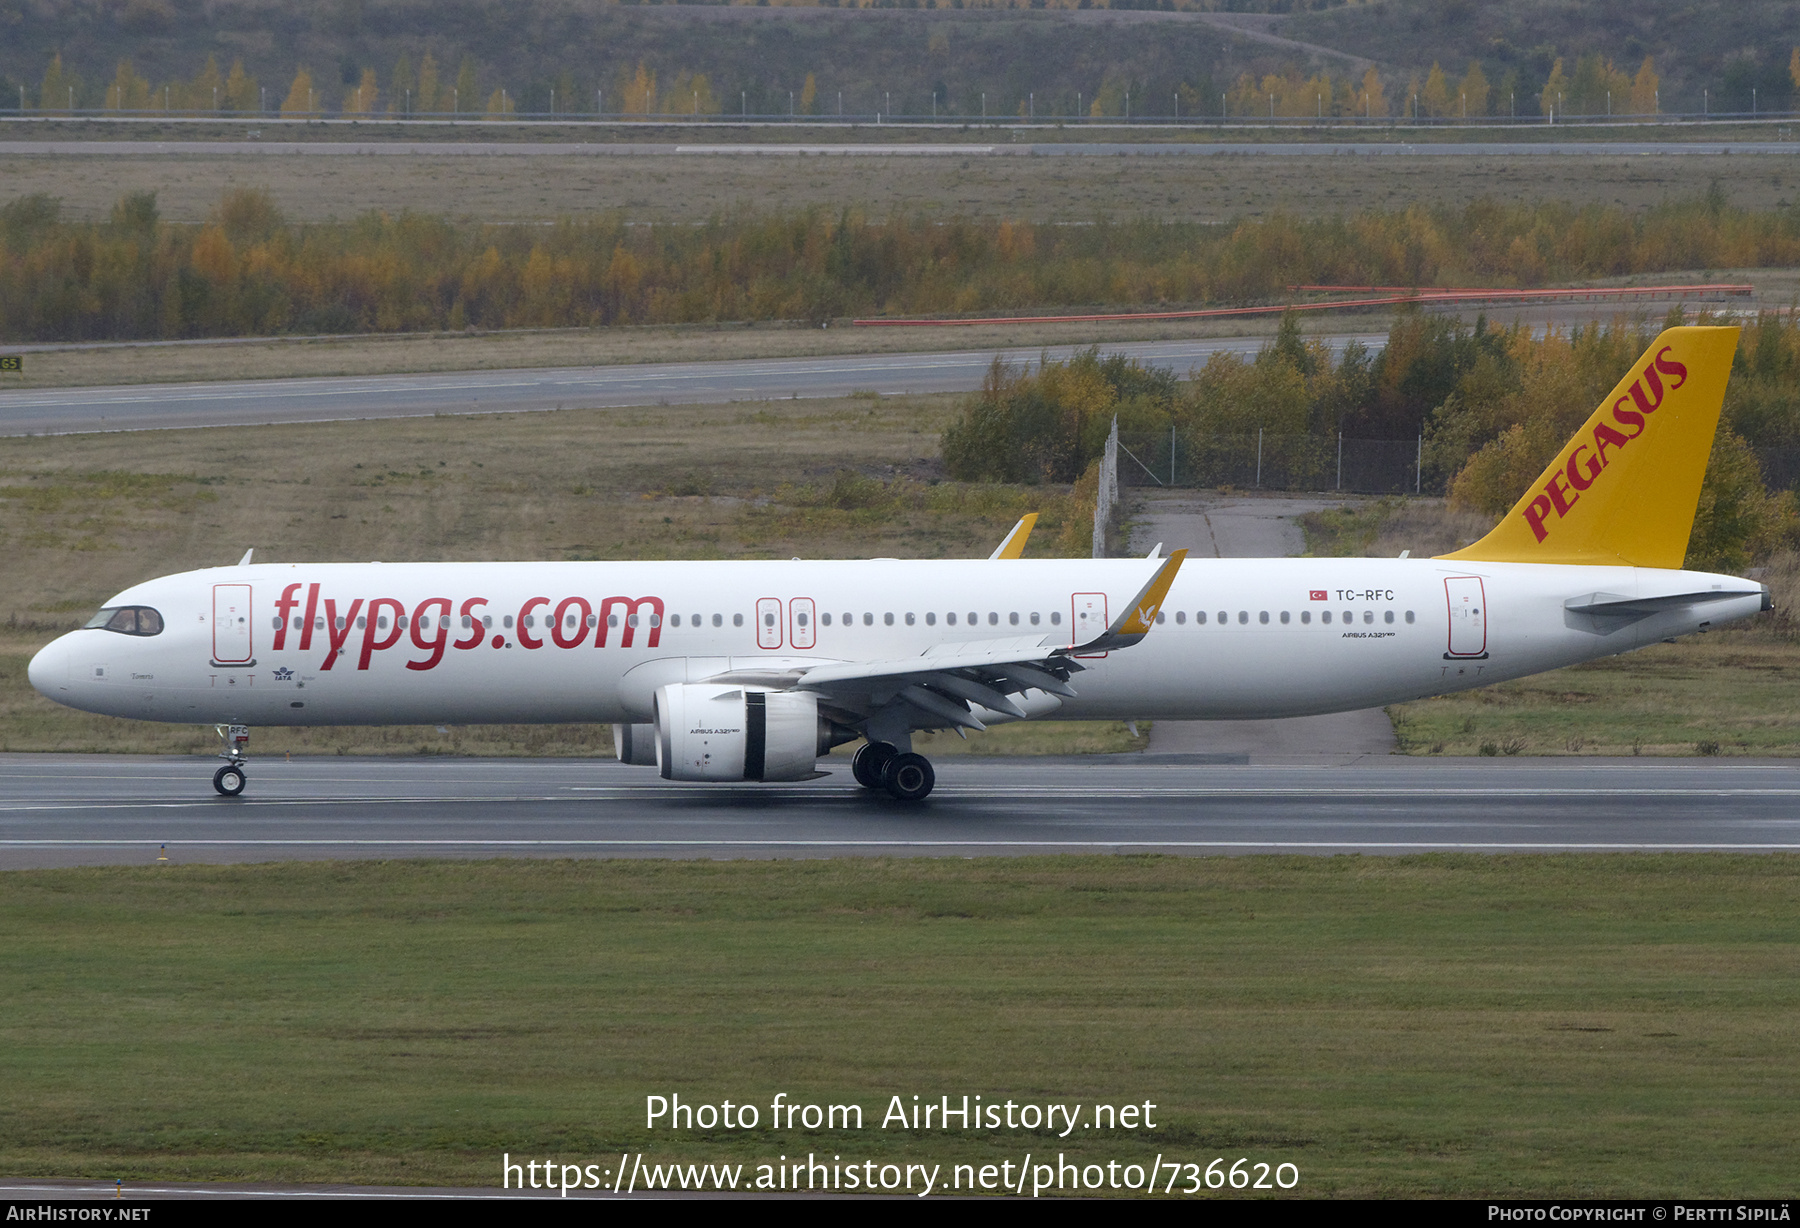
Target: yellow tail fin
[(1624, 489)]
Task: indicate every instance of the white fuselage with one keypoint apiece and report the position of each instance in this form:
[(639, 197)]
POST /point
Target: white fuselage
[(324, 644)]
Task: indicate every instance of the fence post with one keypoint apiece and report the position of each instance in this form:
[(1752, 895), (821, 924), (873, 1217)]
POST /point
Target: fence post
[(1419, 467), (1259, 432), (1340, 477), (1171, 454), (1108, 492)]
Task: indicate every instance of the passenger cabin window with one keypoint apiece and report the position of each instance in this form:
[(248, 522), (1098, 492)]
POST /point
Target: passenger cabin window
[(1305, 617), (1409, 616), (1055, 618), (1200, 618), (128, 620), (737, 620)]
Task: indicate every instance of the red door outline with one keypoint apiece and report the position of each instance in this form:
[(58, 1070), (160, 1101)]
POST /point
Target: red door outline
[(1081, 629), (1466, 598), (803, 622), (768, 622)]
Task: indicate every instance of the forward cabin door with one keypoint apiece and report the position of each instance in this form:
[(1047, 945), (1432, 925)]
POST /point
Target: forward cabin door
[(768, 622), (1468, 616), (1087, 619), (231, 624)]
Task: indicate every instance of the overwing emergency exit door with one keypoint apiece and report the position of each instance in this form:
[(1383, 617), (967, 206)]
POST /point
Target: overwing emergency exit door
[(768, 622), (1087, 619), (1468, 616)]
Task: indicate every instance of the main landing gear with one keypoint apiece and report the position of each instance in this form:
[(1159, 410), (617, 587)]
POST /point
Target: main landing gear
[(879, 765), (230, 779)]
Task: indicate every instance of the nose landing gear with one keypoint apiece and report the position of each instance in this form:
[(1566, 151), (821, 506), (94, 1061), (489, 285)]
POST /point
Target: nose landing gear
[(230, 779)]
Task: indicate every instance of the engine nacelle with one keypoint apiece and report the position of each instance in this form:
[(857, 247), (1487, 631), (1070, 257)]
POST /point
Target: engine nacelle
[(706, 731), (635, 744)]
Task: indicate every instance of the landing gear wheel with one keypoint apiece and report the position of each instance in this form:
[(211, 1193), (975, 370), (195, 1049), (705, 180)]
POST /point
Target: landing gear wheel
[(229, 780), (868, 761), (908, 777)]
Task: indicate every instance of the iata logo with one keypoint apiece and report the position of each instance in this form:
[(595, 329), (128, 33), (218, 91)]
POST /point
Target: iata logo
[(1579, 472)]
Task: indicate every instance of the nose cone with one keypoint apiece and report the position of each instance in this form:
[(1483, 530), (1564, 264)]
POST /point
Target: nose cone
[(49, 669)]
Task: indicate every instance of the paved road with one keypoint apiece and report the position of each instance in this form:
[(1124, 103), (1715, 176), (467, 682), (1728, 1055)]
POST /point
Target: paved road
[(1248, 527), (68, 809), (1072, 149), (52, 411)]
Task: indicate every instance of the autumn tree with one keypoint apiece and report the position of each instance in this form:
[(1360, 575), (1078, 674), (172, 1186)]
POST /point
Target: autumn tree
[(500, 103), (241, 92), (1370, 98), (467, 89), (299, 100), (61, 90), (401, 87), (1474, 91), (1437, 93), (363, 99), (427, 100), (128, 92), (808, 93), (1551, 99), (639, 92)]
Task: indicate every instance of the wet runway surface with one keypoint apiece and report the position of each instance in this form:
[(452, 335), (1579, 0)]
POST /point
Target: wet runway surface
[(85, 810)]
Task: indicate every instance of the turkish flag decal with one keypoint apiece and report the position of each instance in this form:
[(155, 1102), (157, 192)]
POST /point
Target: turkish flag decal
[(1319, 594)]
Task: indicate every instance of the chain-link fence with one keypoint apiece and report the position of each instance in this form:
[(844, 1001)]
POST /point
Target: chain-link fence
[(1273, 462), (1321, 463)]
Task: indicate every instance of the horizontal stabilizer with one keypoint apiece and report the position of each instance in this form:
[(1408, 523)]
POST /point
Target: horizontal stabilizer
[(1612, 605)]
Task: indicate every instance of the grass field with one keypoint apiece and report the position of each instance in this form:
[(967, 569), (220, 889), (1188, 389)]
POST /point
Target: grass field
[(692, 188), (1460, 1026)]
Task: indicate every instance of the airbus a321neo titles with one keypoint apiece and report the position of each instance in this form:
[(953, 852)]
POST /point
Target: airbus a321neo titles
[(754, 671)]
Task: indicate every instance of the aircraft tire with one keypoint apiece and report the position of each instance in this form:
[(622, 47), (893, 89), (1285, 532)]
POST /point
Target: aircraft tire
[(908, 777), (868, 761), (229, 780)]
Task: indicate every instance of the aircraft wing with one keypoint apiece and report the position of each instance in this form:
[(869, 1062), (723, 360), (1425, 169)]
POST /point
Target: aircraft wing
[(946, 682)]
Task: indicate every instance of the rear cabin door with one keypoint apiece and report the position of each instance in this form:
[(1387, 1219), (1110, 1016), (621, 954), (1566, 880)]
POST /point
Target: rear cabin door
[(1087, 619), (1468, 616), (768, 622), (231, 624)]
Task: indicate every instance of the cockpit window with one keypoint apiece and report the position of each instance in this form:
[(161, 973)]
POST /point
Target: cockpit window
[(129, 620)]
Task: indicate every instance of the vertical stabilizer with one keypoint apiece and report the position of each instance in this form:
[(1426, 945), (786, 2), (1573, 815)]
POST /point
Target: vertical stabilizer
[(1624, 489)]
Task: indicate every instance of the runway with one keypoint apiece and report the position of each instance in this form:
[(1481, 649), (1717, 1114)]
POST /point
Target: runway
[(60, 810), (59, 411), (1012, 147)]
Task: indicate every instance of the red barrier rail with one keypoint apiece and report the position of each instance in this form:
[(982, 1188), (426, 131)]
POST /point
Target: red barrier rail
[(1387, 300)]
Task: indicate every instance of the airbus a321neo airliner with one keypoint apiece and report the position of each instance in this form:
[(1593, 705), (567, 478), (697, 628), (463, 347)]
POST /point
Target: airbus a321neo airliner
[(752, 671)]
